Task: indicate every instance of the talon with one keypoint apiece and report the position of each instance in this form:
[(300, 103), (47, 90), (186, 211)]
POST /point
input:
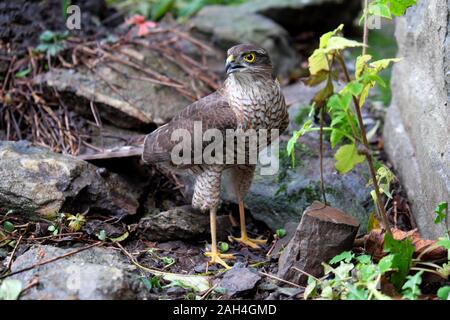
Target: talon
[(252, 243), (218, 258)]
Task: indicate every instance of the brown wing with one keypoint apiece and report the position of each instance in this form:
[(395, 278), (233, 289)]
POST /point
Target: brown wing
[(213, 111)]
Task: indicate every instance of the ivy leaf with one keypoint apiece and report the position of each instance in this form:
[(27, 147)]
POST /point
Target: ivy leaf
[(47, 36), (385, 263), (399, 7), (101, 235), (10, 289), (347, 158), (327, 36), (345, 256), (361, 64), (354, 88), (402, 252), (8, 226), (341, 43), (281, 233), (441, 212), (223, 247), (310, 290), (444, 293), (383, 63), (357, 293), (411, 289), (293, 140), (161, 8), (23, 73), (364, 259), (381, 10)]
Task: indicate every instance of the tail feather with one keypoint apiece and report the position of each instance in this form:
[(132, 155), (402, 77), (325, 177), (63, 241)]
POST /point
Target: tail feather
[(120, 152)]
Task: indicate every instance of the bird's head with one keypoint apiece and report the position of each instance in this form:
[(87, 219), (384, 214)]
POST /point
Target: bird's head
[(247, 58)]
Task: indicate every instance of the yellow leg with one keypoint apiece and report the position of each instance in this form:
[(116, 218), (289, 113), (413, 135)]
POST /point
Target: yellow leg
[(216, 257), (244, 239)]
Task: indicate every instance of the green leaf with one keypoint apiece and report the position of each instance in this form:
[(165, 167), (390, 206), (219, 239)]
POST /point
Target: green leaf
[(51, 228), (399, 7), (383, 63), (364, 259), (444, 293), (47, 36), (223, 247), (444, 242), (10, 289), (357, 293), (8, 226), (341, 43), (327, 36), (23, 73), (441, 212), (345, 256), (161, 8), (361, 64), (385, 263), (310, 290), (335, 137), (381, 10), (402, 252), (120, 238), (354, 87), (347, 158), (167, 260), (281, 233), (411, 289), (42, 47), (290, 148), (101, 235)]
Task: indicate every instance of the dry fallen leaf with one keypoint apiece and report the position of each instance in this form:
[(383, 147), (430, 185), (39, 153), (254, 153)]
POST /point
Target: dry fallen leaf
[(374, 243)]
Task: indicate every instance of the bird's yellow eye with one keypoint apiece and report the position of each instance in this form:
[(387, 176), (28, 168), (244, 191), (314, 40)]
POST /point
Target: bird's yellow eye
[(250, 57)]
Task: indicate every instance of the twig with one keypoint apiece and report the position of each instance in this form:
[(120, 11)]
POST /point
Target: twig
[(281, 280), (366, 28), (305, 273), (51, 260), (8, 267)]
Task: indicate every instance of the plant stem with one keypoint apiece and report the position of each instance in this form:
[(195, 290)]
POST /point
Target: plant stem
[(368, 155), (322, 184), (366, 28)]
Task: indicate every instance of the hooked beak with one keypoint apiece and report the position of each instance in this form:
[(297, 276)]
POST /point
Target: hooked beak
[(231, 65)]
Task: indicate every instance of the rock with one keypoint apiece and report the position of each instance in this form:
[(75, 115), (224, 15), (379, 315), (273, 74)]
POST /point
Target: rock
[(417, 130), (322, 233), (306, 15), (36, 180), (239, 281), (94, 274), (229, 25), (120, 92), (181, 223)]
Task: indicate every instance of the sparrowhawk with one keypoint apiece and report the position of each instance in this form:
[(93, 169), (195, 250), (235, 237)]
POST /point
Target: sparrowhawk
[(250, 98)]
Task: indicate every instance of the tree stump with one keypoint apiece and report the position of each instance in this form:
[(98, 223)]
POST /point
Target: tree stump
[(322, 233)]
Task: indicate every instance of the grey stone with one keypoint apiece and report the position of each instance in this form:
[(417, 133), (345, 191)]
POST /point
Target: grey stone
[(229, 25), (36, 180), (322, 233), (417, 129), (239, 281), (181, 223), (94, 274)]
